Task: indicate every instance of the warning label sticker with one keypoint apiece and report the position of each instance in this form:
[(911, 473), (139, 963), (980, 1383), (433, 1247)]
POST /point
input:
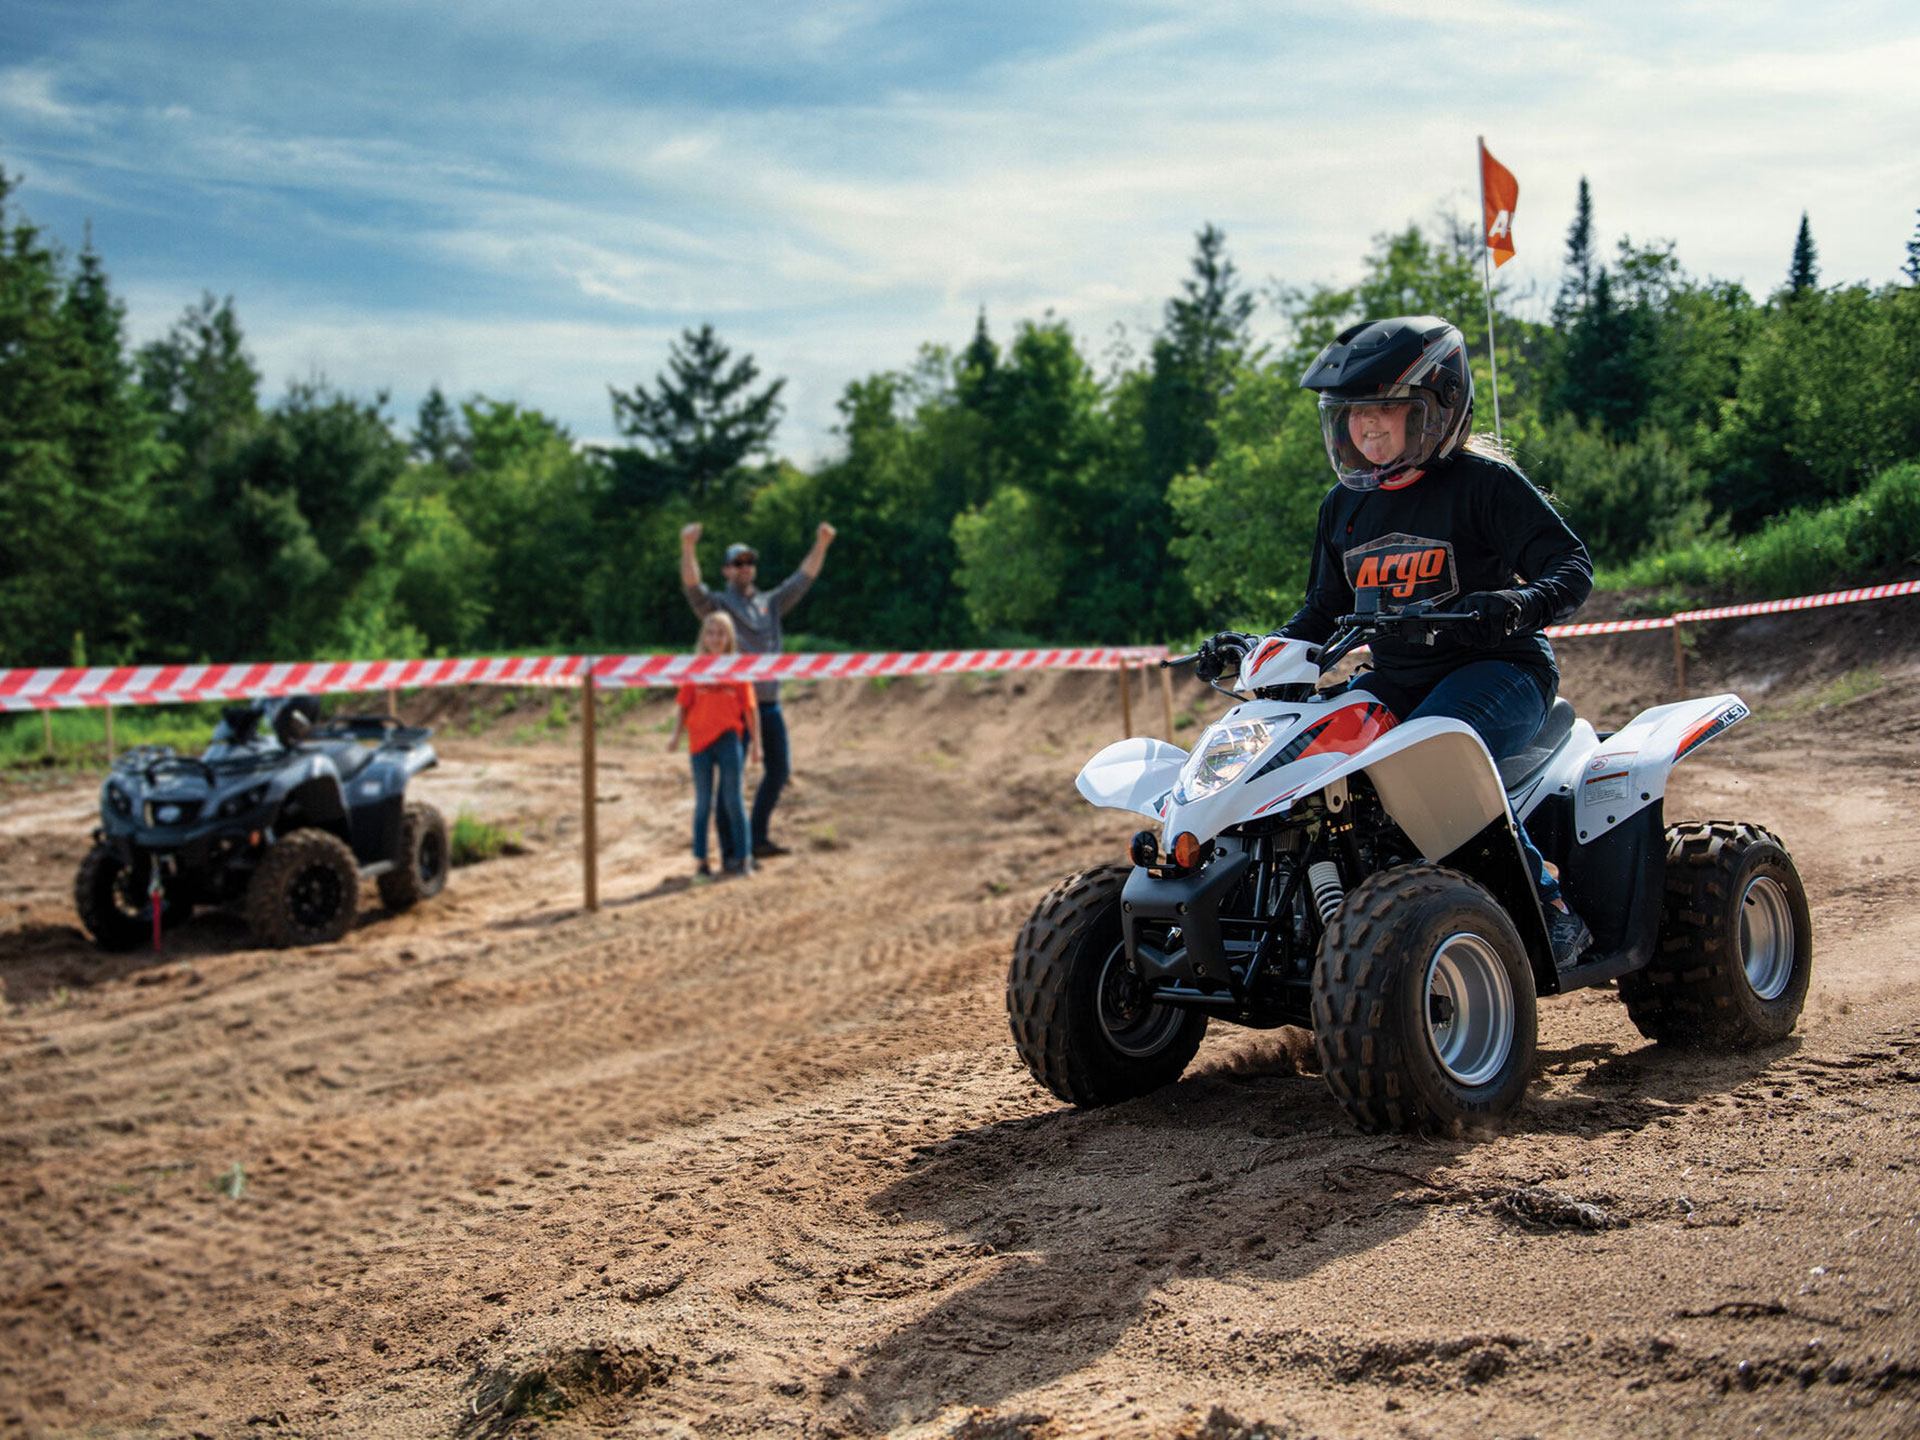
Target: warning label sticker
[(1604, 789)]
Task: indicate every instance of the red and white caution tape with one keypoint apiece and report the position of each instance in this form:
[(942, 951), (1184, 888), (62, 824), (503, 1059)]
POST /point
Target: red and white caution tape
[(1803, 602), (172, 684), (1610, 627), (70, 689), (621, 672), (1735, 612)]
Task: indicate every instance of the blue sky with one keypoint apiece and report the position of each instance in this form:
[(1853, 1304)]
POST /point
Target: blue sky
[(530, 201)]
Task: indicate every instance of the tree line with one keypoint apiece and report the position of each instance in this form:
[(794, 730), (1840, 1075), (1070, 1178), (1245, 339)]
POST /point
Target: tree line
[(155, 506)]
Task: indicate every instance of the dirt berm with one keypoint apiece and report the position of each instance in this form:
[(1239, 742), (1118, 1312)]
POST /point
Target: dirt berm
[(758, 1158)]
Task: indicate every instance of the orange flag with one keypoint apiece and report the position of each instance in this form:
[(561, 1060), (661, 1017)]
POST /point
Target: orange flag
[(1499, 194)]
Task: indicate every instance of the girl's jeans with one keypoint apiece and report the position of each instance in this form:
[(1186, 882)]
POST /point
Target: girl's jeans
[(1504, 704), (720, 762)]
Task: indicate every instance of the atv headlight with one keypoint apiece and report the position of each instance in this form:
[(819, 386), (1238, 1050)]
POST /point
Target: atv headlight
[(119, 801), (239, 804), (1223, 752)]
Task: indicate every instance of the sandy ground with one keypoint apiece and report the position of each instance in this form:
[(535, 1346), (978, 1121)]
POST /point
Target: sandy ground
[(758, 1157)]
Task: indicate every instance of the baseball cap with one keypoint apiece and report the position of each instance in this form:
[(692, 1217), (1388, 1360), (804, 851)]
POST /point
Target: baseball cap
[(737, 552)]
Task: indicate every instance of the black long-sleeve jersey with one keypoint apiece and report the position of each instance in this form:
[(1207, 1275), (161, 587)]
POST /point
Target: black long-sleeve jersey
[(1467, 525)]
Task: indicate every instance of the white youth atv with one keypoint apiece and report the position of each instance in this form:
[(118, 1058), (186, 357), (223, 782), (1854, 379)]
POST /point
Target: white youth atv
[(1319, 865)]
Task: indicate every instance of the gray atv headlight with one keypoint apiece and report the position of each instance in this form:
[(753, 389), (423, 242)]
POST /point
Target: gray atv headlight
[(119, 801), (239, 804), (1222, 754)]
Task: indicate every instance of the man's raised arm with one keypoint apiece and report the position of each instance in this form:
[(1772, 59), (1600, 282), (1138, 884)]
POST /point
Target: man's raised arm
[(817, 556), (690, 571)]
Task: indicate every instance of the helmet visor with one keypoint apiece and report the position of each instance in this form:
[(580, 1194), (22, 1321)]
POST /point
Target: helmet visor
[(1372, 439)]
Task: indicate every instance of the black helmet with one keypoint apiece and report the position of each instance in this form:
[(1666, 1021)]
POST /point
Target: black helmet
[(1418, 361)]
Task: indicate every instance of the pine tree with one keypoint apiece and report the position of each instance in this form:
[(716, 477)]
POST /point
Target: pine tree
[(1912, 268), (43, 532), (1576, 288), (1805, 273), (437, 438), (114, 450), (1204, 334), (703, 418)]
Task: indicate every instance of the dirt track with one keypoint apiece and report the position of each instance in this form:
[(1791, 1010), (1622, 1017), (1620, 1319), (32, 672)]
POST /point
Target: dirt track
[(758, 1158)]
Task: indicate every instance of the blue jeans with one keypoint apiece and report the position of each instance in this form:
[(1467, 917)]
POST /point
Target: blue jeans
[(720, 762), (1504, 704), (776, 766)]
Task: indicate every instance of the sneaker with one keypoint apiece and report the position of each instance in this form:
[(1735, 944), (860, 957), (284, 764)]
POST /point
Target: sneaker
[(705, 869), (1569, 935), (766, 849)]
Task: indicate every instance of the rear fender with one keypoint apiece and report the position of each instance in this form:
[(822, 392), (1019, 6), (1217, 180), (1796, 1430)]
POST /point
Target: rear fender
[(1135, 775), (1622, 774)]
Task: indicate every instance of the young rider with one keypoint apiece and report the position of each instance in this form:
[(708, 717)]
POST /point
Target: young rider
[(1422, 512)]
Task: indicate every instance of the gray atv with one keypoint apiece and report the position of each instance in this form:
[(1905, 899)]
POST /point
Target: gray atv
[(281, 818)]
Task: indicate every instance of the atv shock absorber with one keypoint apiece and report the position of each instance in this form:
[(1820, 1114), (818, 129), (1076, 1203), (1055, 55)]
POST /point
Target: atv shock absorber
[(1324, 877)]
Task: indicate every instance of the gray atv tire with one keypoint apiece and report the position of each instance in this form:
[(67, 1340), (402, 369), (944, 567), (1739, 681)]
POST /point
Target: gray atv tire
[(1424, 1013), (420, 870), (1735, 954), (305, 891), (1075, 1002)]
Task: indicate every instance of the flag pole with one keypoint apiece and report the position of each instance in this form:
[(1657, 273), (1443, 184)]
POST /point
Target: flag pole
[(1486, 271)]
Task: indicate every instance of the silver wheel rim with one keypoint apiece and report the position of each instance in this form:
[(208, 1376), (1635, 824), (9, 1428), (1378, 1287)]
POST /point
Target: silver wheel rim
[(1468, 1005), (1132, 1024), (1766, 937)]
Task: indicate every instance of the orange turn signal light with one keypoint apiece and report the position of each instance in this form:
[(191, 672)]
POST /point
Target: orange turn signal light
[(1186, 850)]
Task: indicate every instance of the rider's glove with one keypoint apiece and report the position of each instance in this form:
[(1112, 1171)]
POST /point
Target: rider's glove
[(1222, 653), (1496, 615)]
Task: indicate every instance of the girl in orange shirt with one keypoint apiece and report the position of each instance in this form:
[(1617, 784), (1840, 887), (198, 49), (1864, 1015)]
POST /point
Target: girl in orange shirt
[(722, 726)]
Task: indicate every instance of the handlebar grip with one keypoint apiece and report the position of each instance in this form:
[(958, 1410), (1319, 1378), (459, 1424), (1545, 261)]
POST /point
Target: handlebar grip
[(1176, 660)]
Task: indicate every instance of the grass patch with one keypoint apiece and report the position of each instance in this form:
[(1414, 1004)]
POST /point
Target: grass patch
[(80, 736), (232, 1183), (474, 840), (1838, 691)]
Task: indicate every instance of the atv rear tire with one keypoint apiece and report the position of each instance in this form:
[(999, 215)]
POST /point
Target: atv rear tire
[(420, 870), (1735, 953), (1424, 1013), (1074, 1000), (305, 891), (111, 897)]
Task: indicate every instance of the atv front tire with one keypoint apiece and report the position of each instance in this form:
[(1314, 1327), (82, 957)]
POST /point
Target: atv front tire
[(111, 896), (1423, 1003), (1077, 1005), (420, 870), (1735, 953), (305, 891)]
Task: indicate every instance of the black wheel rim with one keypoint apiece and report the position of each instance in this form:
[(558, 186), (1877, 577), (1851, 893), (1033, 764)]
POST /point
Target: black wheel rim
[(1133, 1022), (315, 897), (433, 857)]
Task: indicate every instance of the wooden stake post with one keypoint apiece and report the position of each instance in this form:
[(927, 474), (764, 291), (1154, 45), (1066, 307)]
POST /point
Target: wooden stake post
[(589, 797), (46, 726), (1126, 700), (1166, 697), (109, 710)]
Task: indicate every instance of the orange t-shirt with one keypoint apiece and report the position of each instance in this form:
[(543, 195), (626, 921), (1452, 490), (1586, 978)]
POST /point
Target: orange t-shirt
[(710, 711)]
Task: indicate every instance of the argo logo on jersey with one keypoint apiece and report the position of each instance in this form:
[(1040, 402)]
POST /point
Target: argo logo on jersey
[(1403, 567)]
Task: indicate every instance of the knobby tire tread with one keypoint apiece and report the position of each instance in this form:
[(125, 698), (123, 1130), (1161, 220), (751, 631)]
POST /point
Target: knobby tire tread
[(1040, 999), (1694, 992)]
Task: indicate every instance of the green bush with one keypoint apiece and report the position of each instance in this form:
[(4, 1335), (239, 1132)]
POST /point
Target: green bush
[(1802, 553)]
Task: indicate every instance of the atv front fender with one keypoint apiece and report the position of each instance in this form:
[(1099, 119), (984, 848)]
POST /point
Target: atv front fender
[(1136, 775)]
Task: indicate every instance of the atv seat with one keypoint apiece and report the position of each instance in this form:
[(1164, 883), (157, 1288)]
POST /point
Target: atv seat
[(1523, 765), (348, 757)]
